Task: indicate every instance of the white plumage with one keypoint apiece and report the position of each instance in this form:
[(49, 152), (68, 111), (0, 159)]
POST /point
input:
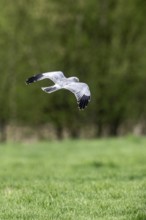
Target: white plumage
[(79, 89)]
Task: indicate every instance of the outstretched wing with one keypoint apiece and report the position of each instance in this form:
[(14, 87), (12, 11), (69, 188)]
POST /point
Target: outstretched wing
[(81, 92), (54, 76)]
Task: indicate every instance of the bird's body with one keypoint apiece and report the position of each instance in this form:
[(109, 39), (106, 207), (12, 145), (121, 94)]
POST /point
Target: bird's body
[(79, 89)]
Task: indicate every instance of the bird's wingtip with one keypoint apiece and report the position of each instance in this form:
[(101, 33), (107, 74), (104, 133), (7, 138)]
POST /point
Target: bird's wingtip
[(83, 102), (27, 82)]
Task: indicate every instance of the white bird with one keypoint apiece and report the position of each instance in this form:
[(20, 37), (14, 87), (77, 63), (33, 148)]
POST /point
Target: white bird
[(79, 89)]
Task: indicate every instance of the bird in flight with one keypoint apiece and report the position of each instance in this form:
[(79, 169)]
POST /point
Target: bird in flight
[(79, 89)]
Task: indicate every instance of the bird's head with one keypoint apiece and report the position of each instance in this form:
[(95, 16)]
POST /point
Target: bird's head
[(74, 79)]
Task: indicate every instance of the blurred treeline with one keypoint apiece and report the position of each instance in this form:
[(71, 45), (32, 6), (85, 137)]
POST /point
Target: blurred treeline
[(103, 42)]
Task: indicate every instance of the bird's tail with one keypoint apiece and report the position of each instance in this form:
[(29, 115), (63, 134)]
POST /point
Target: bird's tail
[(50, 89)]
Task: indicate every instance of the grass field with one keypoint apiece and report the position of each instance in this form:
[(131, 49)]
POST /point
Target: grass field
[(101, 179)]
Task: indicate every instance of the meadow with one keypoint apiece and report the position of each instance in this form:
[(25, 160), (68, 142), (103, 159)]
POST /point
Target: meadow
[(102, 179)]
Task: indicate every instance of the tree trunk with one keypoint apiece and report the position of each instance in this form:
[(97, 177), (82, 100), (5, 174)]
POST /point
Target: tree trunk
[(3, 136), (59, 132)]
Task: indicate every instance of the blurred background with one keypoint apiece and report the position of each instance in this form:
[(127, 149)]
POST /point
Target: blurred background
[(103, 42)]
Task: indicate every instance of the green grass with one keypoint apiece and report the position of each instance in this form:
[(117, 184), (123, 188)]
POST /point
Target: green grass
[(74, 180)]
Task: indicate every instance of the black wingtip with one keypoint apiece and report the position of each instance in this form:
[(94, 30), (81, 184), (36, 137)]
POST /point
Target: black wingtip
[(33, 79), (30, 80), (84, 102)]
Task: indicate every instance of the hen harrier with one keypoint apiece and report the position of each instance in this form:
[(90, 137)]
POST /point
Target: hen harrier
[(79, 89)]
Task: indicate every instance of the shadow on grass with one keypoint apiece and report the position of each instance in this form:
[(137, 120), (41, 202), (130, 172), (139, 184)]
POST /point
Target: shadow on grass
[(109, 169), (99, 164)]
